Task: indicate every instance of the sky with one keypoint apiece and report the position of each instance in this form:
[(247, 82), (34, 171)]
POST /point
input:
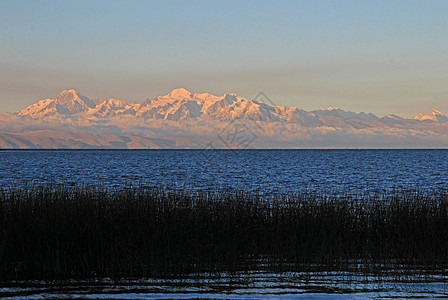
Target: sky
[(373, 56)]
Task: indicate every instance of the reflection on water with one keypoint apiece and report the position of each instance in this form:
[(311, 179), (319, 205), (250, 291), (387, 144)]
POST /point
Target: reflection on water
[(317, 285)]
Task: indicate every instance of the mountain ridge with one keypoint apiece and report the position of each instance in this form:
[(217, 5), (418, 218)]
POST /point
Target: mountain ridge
[(202, 117), (183, 103)]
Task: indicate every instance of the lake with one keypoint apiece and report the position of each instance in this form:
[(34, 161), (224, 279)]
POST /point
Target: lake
[(249, 285), (338, 171), (266, 170)]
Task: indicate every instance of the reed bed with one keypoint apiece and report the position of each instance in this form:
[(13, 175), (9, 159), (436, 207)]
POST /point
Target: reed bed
[(61, 232)]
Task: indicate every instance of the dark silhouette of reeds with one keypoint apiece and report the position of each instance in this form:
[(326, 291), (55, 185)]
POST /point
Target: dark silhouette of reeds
[(82, 232)]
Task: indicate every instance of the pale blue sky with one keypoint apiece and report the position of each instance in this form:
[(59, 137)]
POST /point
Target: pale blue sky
[(376, 56)]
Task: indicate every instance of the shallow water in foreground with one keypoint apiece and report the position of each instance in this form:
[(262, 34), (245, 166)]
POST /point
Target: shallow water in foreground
[(253, 285)]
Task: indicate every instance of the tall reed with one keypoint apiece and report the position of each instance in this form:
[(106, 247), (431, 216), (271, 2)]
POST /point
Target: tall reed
[(58, 232)]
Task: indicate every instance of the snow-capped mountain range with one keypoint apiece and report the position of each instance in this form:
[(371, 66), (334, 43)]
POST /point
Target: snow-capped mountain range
[(182, 119), (433, 115), (178, 105)]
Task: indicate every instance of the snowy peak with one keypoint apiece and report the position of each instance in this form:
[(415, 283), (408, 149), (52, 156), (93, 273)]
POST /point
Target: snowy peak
[(109, 108), (182, 104), (433, 115), (183, 94), (68, 102), (68, 95), (41, 109), (180, 93)]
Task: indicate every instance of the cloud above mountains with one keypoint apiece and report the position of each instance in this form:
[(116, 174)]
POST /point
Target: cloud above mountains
[(182, 119)]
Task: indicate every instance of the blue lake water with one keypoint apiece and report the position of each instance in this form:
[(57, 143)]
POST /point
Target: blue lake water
[(280, 170), (249, 285), (268, 170)]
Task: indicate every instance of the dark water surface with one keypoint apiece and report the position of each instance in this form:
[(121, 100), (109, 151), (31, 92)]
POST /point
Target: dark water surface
[(267, 170), (251, 285), (255, 285), (284, 170)]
